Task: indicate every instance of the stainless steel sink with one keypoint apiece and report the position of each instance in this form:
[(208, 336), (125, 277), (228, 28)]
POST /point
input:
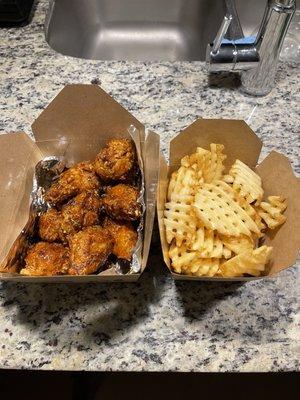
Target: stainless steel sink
[(141, 29)]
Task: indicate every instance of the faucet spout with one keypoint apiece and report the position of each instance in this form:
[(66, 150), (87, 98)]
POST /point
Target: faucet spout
[(256, 59), (260, 80)]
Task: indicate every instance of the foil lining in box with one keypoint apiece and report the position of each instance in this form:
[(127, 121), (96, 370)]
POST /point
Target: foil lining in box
[(46, 172)]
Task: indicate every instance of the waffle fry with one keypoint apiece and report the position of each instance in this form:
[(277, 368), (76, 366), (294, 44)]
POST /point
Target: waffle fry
[(190, 263), (246, 182), (214, 222), (238, 244), (181, 257), (213, 166), (250, 262), (271, 212), (184, 181), (208, 244), (179, 219), (218, 211), (204, 267), (179, 222)]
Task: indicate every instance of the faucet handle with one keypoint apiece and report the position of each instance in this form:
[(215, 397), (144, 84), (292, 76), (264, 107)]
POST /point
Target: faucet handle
[(221, 34)]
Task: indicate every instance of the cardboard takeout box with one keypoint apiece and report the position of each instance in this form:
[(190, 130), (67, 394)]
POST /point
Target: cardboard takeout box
[(75, 125), (275, 170)]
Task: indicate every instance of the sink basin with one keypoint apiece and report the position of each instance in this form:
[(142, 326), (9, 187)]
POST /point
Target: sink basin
[(141, 30)]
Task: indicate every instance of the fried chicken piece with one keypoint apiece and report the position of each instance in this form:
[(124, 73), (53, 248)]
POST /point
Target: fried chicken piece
[(46, 259), (50, 226), (125, 238), (81, 211), (77, 179), (115, 160), (121, 202), (89, 249)]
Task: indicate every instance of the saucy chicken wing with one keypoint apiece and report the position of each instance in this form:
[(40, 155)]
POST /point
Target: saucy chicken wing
[(125, 238), (115, 160), (121, 202), (77, 179), (50, 226), (89, 250), (46, 259), (81, 211)]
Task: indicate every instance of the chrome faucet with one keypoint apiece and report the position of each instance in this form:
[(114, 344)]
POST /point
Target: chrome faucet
[(256, 58)]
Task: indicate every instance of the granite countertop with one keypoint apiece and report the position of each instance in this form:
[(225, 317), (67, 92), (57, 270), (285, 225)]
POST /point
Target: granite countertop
[(155, 324)]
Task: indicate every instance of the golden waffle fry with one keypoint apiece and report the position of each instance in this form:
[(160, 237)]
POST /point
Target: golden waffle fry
[(172, 185), (214, 221), (198, 159), (179, 222), (250, 210), (181, 257), (246, 182), (184, 181), (212, 167), (271, 212), (238, 244), (179, 218), (250, 262), (218, 211), (228, 189), (203, 267), (208, 244), (227, 178)]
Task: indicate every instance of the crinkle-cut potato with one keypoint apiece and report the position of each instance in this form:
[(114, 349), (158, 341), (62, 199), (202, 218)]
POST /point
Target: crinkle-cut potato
[(271, 212), (208, 244), (209, 164), (214, 222), (246, 182), (179, 219), (179, 222), (185, 261), (183, 181), (215, 168), (250, 262), (228, 189), (218, 211), (238, 244), (181, 257), (197, 160), (204, 267), (250, 210)]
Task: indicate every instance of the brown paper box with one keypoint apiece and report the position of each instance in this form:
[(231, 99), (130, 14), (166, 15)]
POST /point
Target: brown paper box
[(75, 125), (276, 173)]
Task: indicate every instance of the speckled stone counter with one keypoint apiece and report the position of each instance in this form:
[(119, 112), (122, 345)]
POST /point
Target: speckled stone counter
[(156, 324)]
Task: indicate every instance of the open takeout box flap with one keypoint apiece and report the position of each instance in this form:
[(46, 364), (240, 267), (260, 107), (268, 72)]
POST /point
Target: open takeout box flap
[(276, 172), (237, 137), (152, 148), (79, 121), (97, 116), (19, 156), (161, 199), (279, 180)]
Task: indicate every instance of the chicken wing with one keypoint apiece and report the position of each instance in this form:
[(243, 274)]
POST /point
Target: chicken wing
[(46, 259), (89, 250), (125, 238), (77, 179), (50, 226), (121, 202), (116, 160), (79, 212)]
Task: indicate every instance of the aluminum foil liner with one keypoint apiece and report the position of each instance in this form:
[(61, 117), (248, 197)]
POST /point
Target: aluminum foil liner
[(46, 172)]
